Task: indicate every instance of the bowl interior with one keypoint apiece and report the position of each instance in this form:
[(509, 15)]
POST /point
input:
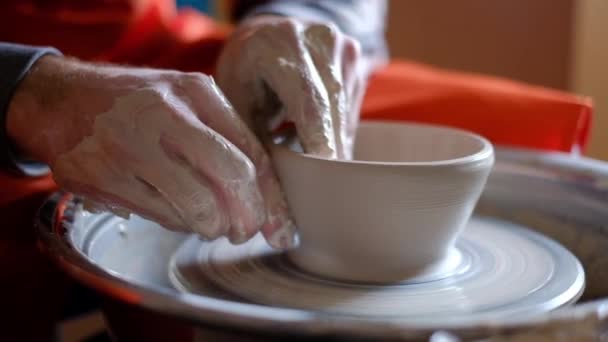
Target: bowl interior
[(391, 142)]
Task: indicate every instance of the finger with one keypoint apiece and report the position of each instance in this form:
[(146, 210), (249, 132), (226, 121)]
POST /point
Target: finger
[(291, 74), (353, 115), (220, 116), (350, 59), (98, 179), (354, 84), (231, 174), (326, 50), (191, 195)]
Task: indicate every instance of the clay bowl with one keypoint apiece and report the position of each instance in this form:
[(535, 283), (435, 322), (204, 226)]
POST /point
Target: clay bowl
[(394, 212)]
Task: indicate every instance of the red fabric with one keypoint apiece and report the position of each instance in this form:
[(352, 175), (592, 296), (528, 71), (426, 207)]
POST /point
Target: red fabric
[(32, 288), (153, 33), (506, 112)]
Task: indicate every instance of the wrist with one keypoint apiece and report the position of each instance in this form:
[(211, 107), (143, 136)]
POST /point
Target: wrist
[(28, 110), (56, 104)]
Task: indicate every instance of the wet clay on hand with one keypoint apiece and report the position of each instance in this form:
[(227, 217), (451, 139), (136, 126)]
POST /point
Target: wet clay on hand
[(312, 70), (163, 144)]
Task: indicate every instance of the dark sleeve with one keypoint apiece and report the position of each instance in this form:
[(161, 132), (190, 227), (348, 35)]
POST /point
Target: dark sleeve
[(15, 62), (363, 20)]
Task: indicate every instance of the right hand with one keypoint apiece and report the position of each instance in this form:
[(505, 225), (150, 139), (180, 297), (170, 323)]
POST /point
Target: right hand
[(277, 69), (163, 144)]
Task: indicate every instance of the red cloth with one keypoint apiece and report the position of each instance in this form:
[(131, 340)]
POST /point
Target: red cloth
[(507, 113), (153, 33)]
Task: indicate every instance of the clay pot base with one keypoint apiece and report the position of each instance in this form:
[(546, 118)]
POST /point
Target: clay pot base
[(497, 270)]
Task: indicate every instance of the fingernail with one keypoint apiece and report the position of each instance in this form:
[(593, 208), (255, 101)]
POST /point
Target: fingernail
[(238, 234), (284, 237)]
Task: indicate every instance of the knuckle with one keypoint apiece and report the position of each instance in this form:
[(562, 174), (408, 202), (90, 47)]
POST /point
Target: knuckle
[(205, 86), (289, 24), (198, 77), (157, 97), (232, 163), (154, 93), (245, 166), (195, 80), (330, 30), (208, 217), (181, 82)]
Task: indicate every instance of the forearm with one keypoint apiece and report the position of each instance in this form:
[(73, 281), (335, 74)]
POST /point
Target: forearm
[(50, 108), (363, 20)]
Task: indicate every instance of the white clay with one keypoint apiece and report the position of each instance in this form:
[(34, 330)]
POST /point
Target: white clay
[(503, 269), (392, 213), (312, 69)]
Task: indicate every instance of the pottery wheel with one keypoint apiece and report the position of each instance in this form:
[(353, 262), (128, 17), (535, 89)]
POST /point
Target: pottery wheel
[(498, 269)]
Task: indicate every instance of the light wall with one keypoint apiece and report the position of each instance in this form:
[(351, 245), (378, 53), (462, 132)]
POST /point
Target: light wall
[(590, 67), (556, 43)]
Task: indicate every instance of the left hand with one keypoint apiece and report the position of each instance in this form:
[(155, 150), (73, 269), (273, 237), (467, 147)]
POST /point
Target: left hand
[(275, 69), (163, 144)]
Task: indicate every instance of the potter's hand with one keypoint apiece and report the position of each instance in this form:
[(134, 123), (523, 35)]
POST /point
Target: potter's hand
[(163, 144), (277, 68)]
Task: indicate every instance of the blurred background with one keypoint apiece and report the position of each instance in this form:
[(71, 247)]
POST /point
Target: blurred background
[(561, 44)]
